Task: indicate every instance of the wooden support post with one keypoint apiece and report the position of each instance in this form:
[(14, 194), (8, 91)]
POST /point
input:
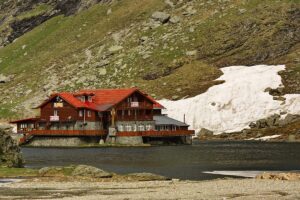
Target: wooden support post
[(113, 114)]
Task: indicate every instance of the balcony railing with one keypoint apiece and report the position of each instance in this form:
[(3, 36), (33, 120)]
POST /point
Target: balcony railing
[(156, 133), (135, 118), (68, 132), (136, 104)]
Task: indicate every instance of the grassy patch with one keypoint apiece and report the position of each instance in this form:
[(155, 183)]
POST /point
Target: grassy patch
[(17, 172), (36, 11), (223, 33)]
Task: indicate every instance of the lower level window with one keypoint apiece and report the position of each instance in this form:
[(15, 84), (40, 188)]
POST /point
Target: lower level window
[(120, 128), (89, 113), (128, 128), (148, 127), (141, 127), (23, 126)]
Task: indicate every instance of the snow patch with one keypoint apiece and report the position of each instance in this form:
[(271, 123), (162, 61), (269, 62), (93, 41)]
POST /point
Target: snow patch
[(233, 105), (265, 138), (246, 174)]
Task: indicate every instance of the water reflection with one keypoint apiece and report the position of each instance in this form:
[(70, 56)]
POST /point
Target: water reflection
[(185, 162)]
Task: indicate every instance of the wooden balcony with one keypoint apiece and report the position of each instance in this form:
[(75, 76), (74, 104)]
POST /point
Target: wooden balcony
[(156, 133), (135, 105), (68, 132), (135, 118)]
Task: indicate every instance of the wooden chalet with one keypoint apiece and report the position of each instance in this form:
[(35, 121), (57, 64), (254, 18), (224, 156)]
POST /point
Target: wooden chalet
[(113, 115)]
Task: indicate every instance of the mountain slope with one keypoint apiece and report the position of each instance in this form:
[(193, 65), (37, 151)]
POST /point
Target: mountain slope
[(119, 44)]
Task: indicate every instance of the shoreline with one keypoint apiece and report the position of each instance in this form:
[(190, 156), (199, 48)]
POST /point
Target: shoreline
[(94, 183), (195, 142), (173, 189)]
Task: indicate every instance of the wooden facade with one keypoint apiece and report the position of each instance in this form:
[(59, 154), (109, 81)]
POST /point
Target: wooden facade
[(93, 112)]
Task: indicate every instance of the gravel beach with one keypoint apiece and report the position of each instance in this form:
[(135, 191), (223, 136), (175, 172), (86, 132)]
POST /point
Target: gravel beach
[(213, 189)]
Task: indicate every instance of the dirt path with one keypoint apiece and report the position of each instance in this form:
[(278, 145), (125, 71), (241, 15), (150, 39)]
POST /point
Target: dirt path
[(215, 189)]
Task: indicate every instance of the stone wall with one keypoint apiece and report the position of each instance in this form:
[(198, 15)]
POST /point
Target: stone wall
[(132, 140), (62, 141)]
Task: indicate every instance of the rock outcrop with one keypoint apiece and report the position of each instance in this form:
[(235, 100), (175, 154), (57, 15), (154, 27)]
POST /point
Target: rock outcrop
[(10, 155), (76, 171), (279, 176), (274, 121), (89, 171), (147, 177)]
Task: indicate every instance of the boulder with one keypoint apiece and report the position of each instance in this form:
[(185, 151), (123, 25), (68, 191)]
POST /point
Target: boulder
[(147, 177), (289, 119), (273, 120), (169, 3), (4, 79), (175, 97), (51, 171), (262, 123), (101, 63), (175, 19), (114, 49), (206, 132), (191, 53), (279, 176), (252, 125), (190, 11), (279, 98), (90, 171), (10, 155), (161, 17)]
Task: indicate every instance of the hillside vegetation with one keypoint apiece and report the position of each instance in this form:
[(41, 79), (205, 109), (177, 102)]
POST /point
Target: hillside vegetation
[(67, 45)]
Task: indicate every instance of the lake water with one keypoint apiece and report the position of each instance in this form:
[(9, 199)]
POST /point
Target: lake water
[(205, 160)]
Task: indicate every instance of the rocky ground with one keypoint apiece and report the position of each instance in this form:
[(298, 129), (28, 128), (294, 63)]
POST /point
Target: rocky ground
[(174, 189), (171, 49), (87, 182), (286, 129)]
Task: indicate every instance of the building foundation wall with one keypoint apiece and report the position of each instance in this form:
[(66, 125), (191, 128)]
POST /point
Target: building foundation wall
[(44, 141), (132, 140)]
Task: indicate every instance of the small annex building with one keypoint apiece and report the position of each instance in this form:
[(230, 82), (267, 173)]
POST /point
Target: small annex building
[(124, 116)]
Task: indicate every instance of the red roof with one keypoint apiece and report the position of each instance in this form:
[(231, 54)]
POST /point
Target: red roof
[(25, 120), (103, 99)]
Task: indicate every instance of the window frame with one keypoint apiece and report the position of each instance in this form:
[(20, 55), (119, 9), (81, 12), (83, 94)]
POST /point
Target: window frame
[(89, 113), (80, 113), (55, 112)]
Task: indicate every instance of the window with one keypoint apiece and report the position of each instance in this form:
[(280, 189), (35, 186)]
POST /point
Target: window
[(120, 128), (83, 98), (89, 113), (148, 127), (80, 113), (128, 127), (129, 113), (141, 127), (134, 127), (90, 98), (55, 113), (23, 125)]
